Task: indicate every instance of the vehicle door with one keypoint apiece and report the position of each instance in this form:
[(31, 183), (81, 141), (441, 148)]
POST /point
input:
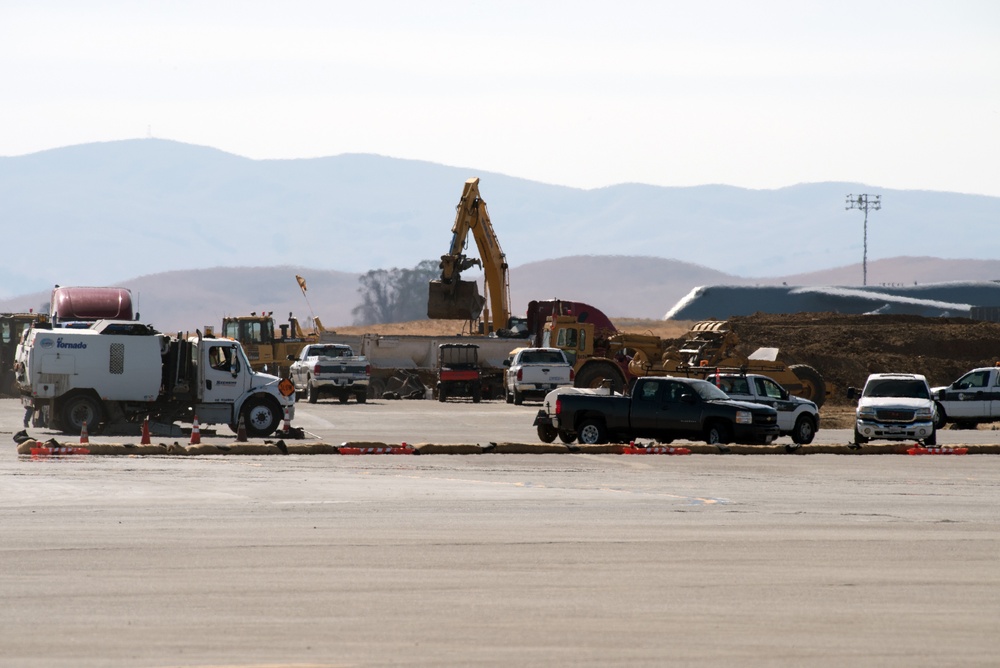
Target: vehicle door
[(661, 408), (224, 371), (969, 396), (771, 394)]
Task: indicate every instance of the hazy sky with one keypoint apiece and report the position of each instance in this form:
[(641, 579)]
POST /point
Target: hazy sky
[(582, 93)]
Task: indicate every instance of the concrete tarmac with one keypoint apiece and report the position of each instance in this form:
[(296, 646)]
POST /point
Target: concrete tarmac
[(495, 560)]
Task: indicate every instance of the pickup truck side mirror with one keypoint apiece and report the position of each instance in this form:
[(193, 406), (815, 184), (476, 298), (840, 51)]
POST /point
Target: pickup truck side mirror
[(506, 362), (291, 357), (852, 392), (689, 398)]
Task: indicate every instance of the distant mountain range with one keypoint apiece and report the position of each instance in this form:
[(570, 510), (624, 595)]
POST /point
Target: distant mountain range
[(621, 286), (167, 212)]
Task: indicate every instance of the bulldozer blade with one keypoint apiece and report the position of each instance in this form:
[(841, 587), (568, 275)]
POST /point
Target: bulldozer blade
[(455, 301)]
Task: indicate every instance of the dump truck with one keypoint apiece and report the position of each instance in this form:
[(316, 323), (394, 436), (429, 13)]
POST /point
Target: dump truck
[(114, 374)]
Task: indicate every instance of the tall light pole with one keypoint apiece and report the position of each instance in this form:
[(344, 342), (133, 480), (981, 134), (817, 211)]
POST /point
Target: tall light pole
[(864, 202)]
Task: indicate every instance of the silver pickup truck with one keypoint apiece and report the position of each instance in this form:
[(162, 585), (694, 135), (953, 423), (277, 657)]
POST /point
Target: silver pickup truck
[(330, 369)]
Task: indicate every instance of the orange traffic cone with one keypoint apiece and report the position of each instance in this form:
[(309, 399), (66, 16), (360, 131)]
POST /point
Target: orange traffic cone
[(195, 432), (241, 431), (84, 437), (145, 432)]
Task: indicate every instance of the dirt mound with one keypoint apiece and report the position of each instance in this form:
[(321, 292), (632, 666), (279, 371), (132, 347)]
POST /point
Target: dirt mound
[(846, 348)]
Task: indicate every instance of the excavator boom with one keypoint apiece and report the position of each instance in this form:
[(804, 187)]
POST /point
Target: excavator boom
[(452, 298)]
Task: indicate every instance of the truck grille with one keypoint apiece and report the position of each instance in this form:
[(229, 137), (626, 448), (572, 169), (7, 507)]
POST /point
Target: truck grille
[(764, 419), (894, 415)]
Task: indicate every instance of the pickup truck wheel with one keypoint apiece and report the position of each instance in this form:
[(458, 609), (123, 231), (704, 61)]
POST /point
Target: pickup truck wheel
[(442, 394), (518, 398), (78, 409), (546, 433), (858, 438), (362, 397), (940, 417), (261, 417), (592, 432), (718, 433), (932, 439), (509, 397), (477, 395), (312, 396), (343, 398), (804, 430), (813, 385), (567, 436)]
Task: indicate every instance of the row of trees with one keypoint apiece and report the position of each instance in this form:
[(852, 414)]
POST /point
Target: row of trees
[(394, 295)]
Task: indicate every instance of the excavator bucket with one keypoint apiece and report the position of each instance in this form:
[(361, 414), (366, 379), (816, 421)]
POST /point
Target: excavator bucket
[(459, 300)]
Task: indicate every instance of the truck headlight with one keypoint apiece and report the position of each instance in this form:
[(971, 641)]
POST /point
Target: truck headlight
[(744, 417), (866, 413), (924, 414)]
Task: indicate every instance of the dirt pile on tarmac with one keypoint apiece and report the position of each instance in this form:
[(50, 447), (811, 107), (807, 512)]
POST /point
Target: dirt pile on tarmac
[(846, 348)]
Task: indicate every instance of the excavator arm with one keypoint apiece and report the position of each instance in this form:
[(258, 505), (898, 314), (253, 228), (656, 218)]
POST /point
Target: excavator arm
[(452, 298)]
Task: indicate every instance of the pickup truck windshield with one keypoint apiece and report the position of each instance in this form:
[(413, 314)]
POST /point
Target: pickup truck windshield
[(896, 387), (708, 391)]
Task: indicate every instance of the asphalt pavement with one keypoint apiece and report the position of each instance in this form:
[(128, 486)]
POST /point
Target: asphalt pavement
[(495, 560)]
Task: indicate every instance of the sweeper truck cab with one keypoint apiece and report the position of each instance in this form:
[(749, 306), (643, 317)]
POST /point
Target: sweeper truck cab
[(116, 373)]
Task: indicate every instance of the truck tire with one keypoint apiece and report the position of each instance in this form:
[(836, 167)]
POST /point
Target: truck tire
[(718, 433), (592, 432), (477, 394), (518, 398), (813, 385), (509, 397), (940, 417), (312, 396), (442, 394), (931, 440), (804, 430), (594, 375), (546, 433), (858, 438), (77, 409), (567, 437), (362, 397), (261, 417)]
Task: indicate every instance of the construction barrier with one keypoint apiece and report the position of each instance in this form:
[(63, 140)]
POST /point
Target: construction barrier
[(403, 449), (919, 450), (655, 450)]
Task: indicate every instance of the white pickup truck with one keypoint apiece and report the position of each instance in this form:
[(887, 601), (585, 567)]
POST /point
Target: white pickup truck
[(973, 398), (534, 372), (330, 368), (797, 417), (894, 407)]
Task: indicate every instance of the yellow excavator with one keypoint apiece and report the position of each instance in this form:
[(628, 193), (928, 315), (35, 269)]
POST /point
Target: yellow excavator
[(451, 298)]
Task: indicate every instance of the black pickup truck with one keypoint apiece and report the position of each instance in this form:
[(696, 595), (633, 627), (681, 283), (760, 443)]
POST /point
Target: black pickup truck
[(663, 409)]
